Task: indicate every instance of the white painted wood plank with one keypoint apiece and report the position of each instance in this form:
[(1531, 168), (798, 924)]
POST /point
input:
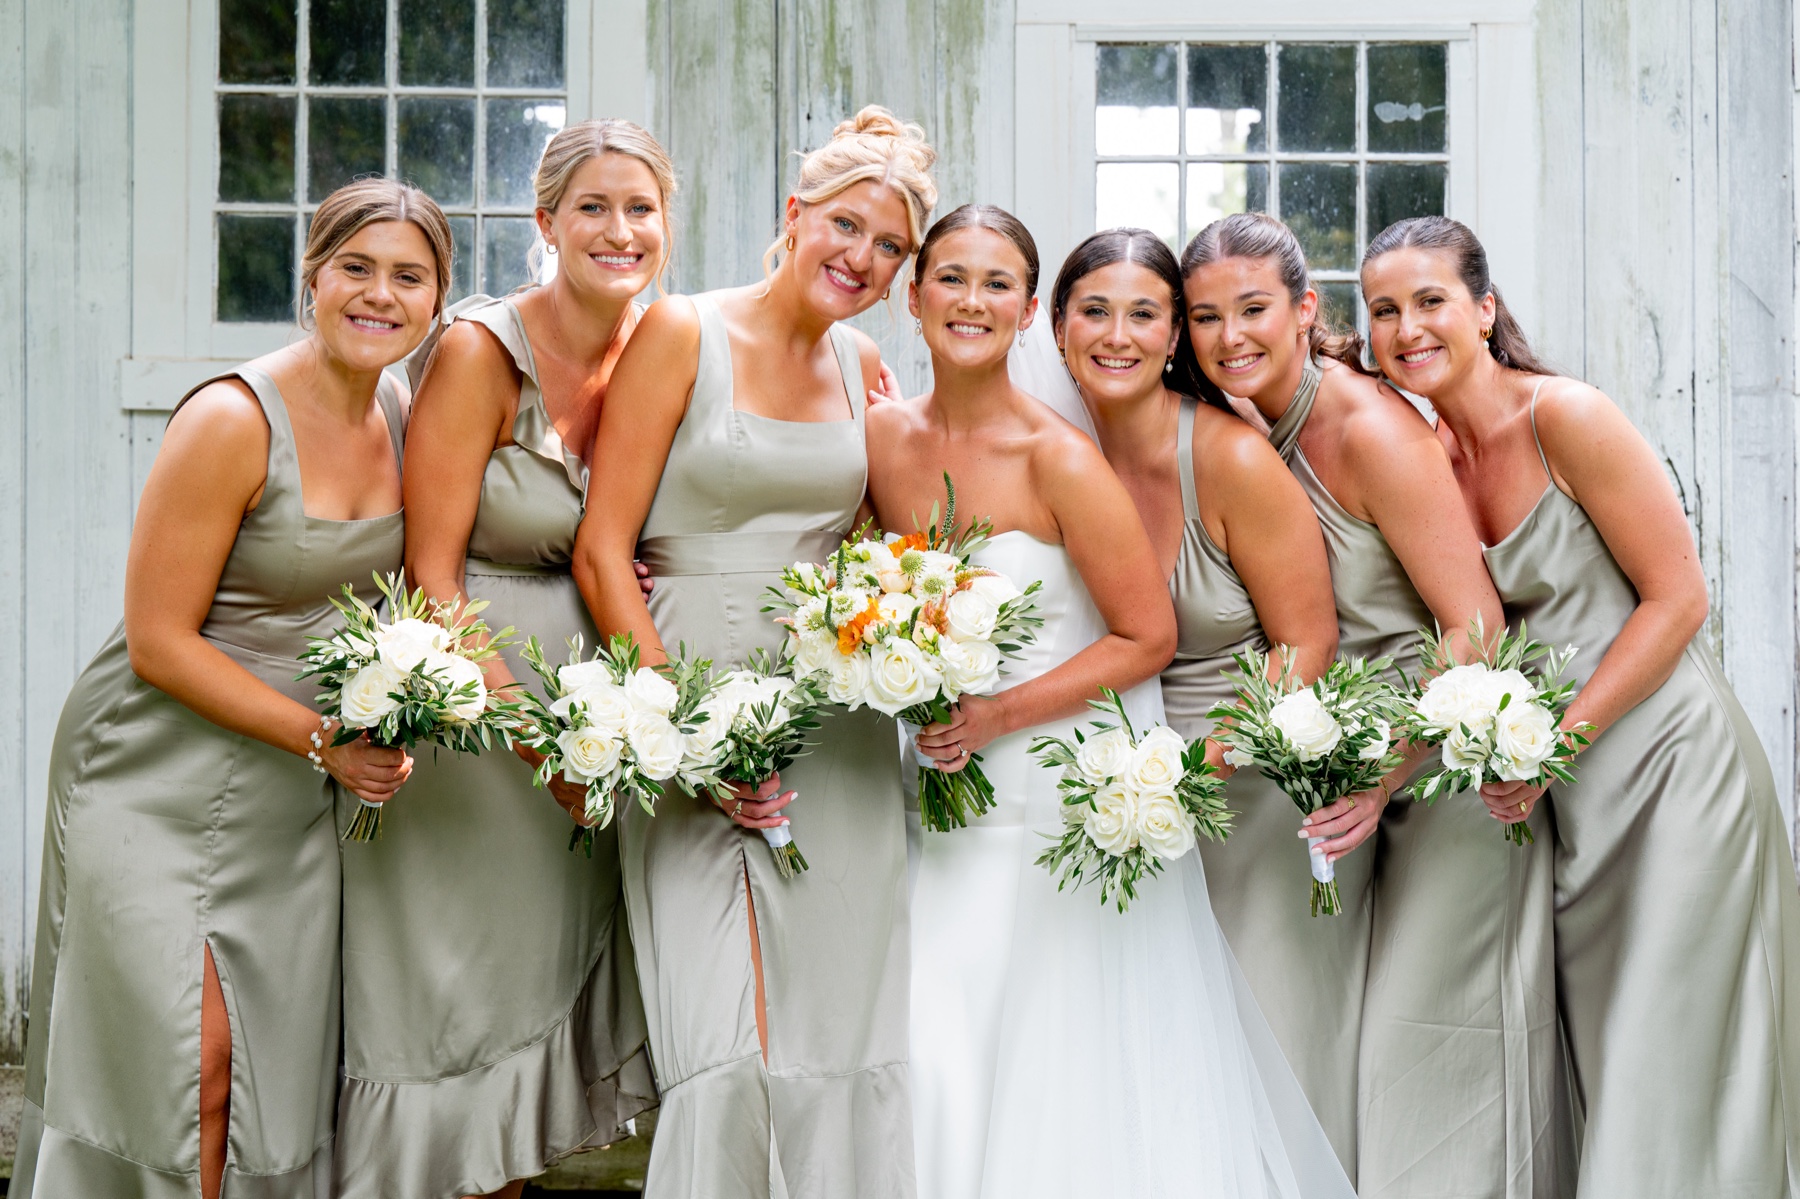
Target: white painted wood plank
[(1556, 111), (162, 195), (15, 845), (1398, 15), (1046, 181), (616, 82)]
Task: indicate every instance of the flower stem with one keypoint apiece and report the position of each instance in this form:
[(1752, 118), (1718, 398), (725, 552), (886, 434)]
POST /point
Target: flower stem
[(949, 800), (1325, 900), (1520, 834), (365, 825)]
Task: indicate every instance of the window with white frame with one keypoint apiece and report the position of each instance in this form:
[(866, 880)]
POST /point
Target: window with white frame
[(455, 96), (1337, 138)]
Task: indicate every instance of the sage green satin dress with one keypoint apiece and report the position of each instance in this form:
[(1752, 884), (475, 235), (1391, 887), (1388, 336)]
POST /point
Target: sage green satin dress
[(166, 834), (1306, 971), (491, 1014), (1677, 917), (830, 1116)]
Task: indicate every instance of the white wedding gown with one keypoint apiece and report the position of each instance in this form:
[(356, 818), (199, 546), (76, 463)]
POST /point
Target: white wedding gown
[(1060, 1049)]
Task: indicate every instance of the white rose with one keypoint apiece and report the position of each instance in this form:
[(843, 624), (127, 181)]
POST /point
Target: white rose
[(814, 652), (589, 753), (1237, 759), (972, 616), (995, 589), (405, 643), (1106, 755), (1525, 738), (1374, 749), (1513, 683), (1463, 751), (847, 679), (1458, 696), (454, 672), (367, 697), (1308, 727), (655, 744), (1111, 823), (970, 667), (580, 676), (886, 569), (1163, 826), (940, 562), (1156, 764), (900, 675), (650, 693), (896, 606), (701, 746)]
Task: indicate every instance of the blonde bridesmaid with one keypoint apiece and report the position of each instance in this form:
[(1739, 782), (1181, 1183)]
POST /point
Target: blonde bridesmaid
[(1405, 1017), (184, 1006), (1677, 918), (491, 1010), (733, 447)]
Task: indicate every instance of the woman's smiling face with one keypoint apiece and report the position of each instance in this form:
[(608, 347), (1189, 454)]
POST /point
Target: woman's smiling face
[(971, 299), (1118, 331), (1245, 328), (848, 249), (1424, 326)]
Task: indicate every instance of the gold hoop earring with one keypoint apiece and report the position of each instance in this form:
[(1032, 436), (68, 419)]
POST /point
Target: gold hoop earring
[(1487, 333), (549, 249), (789, 243), (887, 293)]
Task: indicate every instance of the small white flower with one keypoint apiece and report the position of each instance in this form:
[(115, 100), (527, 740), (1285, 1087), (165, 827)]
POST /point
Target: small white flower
[(1465, 750), (1104, 756), (846, 605), (1111, 823), (655, 745), (1373, 751), (1156, 763), (649, 692), (897, 606), (996, 589), (579, 676), (455, 671), (901, 675), (1306, 725), (1524, 739), (405, 643), (931, 585), (589, 753), (847, 679), (1162, 825), (1237, 758), (367, 696), (813, 652), (972, 616)]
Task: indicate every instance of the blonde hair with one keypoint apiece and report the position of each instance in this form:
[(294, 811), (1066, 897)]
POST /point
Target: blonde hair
[(874, 145), (590, 139), (364, 202)]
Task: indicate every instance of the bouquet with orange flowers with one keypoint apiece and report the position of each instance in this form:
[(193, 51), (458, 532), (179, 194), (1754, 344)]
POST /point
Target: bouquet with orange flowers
[(907, 625)]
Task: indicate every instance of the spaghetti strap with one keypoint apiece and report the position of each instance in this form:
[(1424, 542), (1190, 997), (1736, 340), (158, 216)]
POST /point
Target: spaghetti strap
[(1184, 458), (1535, 440), (843, 343)]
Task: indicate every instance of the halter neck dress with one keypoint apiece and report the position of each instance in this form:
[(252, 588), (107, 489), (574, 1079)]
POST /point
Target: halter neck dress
[(166, 834), (491, 1015), (1677, 917), (829, 1116)]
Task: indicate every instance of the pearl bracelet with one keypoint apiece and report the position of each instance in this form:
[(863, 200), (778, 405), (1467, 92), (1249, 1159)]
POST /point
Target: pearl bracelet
[(312, 755)]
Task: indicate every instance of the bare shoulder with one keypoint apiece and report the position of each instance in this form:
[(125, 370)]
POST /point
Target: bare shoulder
[(469, 353), (1375, 416), (1232, 449), (221, 420), (1061, 453), (671, 318), (1569, 410), (892, 419)]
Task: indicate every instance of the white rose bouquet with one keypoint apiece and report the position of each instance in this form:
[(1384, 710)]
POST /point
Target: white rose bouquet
[(410, 680), (907, 626), (755, 725), (1496, 720), (618, 727), (1318, 743), (1130, 802)]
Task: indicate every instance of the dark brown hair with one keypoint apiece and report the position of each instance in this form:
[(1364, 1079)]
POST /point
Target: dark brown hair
[(1259, 235), (361, 203), (1141, 248), (994, 220), (1507, 341)]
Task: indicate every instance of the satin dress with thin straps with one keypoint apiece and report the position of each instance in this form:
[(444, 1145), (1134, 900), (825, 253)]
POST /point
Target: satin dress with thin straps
[(166, 834), (829, 1116), (1461, 1091), (1677, 916), (491, 1014)]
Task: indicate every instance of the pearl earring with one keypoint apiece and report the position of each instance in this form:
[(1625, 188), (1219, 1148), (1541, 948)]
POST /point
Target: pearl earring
[(918, 327), (1169, 365), (1021, 339)]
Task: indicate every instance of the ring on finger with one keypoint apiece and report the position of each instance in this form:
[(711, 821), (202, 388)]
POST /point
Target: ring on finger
[(1523, 804)]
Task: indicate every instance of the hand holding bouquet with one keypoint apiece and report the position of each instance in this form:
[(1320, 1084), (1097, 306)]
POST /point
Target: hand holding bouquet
[(1130, 802), (1497, 721), (615, 726), (1317, 743), (754, 726), (411, 680), (907, 626)]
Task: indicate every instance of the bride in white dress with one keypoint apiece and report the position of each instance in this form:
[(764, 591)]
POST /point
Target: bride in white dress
[(1059, 1048)]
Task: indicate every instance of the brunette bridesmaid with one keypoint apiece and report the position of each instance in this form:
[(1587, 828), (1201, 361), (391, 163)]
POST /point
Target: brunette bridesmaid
[(1677, 918), (1439, 889), (734, 447), (184, 1007), (492, 1019)]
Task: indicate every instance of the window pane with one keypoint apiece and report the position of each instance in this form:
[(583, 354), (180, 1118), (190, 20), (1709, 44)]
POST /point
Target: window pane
[(1406, 98), (345, 138), (1228, 87), (1144, 194), (256, 149), (517, 131), (1398, 190), (1338, 304), (1318, 97), (1218, 189), (1136, 111), (349, 41), (437, 43), (506, 240), (256, 268), (462, 269), (1318, 201), (256, 41), (525, 43), (437, 148)]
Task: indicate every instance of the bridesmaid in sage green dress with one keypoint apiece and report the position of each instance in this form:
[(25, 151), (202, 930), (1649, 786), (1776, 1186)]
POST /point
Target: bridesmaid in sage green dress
[(1677, 915), (492, 1021), (732, 447), (1434, 1043), (184, 1006)]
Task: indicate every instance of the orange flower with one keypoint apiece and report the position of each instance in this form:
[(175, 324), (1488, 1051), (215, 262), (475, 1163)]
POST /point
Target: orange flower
[(912, 541), (850, 635)]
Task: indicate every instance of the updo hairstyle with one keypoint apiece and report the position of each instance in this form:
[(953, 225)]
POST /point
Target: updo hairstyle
[(573, 146), (361, 203), (873, 145)]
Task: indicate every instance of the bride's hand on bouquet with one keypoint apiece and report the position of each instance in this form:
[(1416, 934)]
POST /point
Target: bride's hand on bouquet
[(975, 721), (1510, 802), (368, 771), (1348, 822), (759, 806)]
